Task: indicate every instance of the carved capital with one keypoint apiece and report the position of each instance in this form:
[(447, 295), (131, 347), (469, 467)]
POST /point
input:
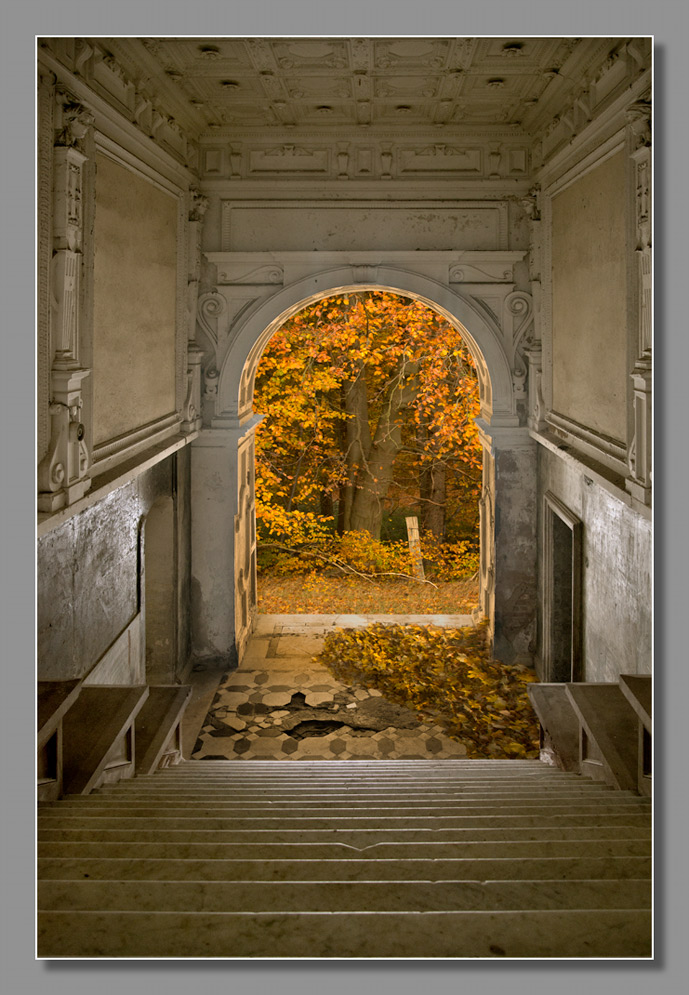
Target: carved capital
[(530, 204), (638, 117), (72, 119), (199, 206)]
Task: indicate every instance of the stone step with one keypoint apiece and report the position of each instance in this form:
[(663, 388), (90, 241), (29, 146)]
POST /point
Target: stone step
[(354, 869), (288, 813), (470, 764), (239, 773), (505, 848), (260, 805), (223, 816), (385, 823), (264, 770), (331, 770), (334, 896), (554, 933), (303, 796), (312, 784), (354, 838)]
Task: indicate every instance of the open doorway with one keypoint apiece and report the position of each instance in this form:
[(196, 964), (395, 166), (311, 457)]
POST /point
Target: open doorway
[(361, 408), (562, 654), (368, 462)]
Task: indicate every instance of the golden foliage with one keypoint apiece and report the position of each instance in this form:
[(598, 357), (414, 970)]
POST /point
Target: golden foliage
[(449, 676)]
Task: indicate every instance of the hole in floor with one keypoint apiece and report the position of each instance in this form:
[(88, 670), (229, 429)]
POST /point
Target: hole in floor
[(315, 727)]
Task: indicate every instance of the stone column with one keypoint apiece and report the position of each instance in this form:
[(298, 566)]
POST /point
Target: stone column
[(639, 483), (223, 539), (192, 409), (63, 473), (509, 541)]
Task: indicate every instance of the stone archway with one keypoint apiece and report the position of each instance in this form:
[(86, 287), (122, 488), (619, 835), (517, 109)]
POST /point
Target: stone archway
[(223, 519)]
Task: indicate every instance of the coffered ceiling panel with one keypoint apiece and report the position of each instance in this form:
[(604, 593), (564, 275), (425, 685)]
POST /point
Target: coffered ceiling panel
[(331, 84)]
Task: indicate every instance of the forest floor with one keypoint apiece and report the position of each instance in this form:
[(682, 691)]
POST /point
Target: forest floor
[(313, 594)]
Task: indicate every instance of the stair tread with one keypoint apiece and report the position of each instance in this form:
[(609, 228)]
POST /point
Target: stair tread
[(350, 896), (333, 860), (555, 933), (331, 868)]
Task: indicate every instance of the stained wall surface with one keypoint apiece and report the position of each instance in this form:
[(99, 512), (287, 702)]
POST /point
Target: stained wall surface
[(616, 571), (89, 572), (135, 275), (589, 322)]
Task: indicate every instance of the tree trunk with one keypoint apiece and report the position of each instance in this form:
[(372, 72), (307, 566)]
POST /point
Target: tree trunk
[(433, 510), (374, 478), (357, 441)]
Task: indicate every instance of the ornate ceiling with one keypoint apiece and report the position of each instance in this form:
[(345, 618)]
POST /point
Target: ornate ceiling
[(352, 84)]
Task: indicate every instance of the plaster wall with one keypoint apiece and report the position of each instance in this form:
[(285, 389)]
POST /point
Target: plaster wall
[(89, 573), (589, 311), (616, 571), (515, 564), (135, 274), (354, 226)]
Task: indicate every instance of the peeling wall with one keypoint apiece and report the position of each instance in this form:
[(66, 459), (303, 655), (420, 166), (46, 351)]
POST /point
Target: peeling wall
[(89, 573), (617, 598), (135, 274), (589, 318)]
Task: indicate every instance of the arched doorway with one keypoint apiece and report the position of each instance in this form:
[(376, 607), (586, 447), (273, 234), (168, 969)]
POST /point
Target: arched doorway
[(224, 558), (368, 444)]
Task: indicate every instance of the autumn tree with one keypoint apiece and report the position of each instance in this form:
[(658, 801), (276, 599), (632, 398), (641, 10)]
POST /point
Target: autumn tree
[(371, 399)]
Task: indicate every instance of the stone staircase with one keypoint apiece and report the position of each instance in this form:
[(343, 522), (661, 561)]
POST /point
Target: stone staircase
[(347, 859)]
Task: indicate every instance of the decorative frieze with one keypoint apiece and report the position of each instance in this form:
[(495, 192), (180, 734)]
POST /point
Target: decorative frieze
[(289, 159), (386, 159), (440, 158)]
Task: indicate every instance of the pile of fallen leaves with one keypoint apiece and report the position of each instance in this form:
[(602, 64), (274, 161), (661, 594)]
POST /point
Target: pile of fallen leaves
[(314, 594), (449, 676)]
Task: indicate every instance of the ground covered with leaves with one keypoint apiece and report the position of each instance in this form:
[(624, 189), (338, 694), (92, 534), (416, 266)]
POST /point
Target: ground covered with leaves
[(446, 674), (314, 594)]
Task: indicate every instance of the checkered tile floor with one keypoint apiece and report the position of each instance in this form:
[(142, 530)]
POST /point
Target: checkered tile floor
[(281, 705)]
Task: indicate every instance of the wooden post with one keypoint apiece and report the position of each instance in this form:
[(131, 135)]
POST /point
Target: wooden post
[(415, 546)]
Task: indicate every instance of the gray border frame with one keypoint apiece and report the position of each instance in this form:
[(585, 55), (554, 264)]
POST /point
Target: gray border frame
[(665, 20)]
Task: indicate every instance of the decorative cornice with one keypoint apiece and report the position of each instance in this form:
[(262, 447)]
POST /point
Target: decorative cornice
[(98, 80)]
